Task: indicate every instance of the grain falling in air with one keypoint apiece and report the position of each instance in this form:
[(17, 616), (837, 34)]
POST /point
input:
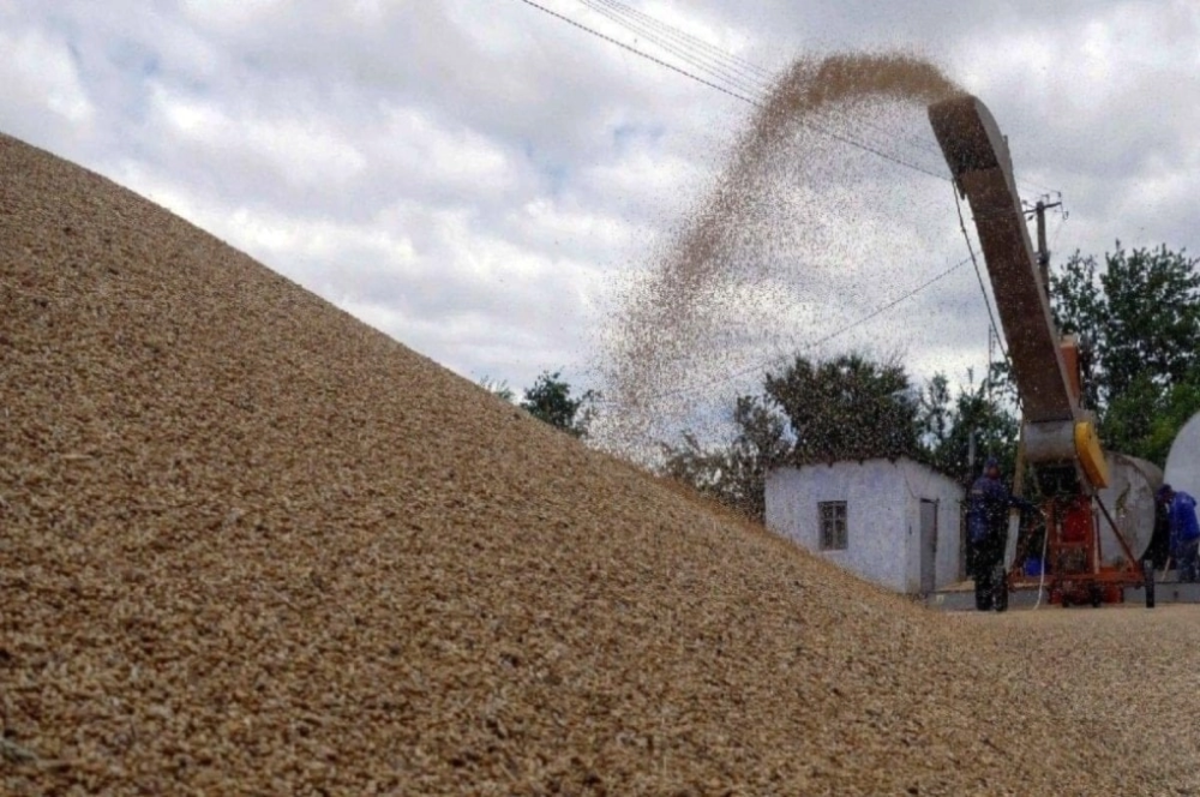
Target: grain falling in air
[(718, 283)]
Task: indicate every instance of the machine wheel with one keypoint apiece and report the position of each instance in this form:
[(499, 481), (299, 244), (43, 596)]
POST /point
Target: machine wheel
[(1095, 596), (984, 591), (1148, 582), (1000, 590)]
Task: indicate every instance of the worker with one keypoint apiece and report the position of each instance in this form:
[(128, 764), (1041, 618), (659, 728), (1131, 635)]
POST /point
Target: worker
[(1185, 531), (987, 531)]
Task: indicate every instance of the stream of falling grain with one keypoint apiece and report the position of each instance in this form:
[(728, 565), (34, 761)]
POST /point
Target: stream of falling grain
[(673, 332)]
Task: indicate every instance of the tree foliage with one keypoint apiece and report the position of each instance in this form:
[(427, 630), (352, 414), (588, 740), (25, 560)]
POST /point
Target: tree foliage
[(1144, 420), (550, 400), (1138, 314), (980, 411), (736, 474), (847, 407)]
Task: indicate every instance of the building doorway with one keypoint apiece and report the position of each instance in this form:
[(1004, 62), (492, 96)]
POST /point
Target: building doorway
[(929, 535)]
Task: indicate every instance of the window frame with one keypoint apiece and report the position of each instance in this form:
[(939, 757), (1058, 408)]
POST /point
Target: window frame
[(832, 535)]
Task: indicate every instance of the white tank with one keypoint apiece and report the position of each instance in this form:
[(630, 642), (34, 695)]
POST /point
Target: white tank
[(1183, 463), (1129, 498)]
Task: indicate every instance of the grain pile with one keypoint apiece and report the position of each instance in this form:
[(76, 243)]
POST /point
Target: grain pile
[(779, 238), (250, 545), (1118, 667)]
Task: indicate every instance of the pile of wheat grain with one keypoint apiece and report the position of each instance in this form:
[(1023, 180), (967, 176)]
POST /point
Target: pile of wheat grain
[(249, 545)]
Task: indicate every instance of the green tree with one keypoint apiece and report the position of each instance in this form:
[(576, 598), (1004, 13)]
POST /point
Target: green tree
[(978, 411), (934, 414), (847, 408), (735, 474), (1080, 308), (1139, 318), (1146, 417), (550, 400)]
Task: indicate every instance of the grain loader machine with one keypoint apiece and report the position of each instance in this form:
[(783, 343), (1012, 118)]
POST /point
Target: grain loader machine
[(1059, 444)]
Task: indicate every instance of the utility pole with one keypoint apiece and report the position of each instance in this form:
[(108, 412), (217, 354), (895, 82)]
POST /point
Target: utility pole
[(987, 380), (1043, 253)]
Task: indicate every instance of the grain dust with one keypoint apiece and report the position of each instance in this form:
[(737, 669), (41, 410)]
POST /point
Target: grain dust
[(774, 240)]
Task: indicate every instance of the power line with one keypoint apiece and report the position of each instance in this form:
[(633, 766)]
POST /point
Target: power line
[(740, 88), (979, 276), (873, 150), (1041, 187), (754, 87), (682, 50), (733, 93), (747, 82), (747, 67), (1062, 219), (636, 51)]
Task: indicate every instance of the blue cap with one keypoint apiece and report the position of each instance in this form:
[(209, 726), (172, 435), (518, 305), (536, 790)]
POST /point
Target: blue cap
[(990, 463)]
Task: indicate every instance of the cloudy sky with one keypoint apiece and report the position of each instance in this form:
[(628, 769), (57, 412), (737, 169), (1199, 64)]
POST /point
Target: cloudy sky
[(480, 179)]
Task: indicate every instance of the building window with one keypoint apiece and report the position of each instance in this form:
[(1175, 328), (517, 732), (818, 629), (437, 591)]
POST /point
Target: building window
[(833, 525)]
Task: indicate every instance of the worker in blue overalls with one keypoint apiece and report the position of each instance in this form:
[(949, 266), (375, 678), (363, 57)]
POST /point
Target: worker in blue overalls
[(987, 531), (1185, 531)]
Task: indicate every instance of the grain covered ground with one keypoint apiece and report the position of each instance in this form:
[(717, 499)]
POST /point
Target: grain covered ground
[(1120, 666), (250, 545)]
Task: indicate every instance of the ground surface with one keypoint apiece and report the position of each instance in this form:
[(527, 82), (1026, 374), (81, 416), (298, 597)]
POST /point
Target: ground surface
[(1119, 666), (250, 546)]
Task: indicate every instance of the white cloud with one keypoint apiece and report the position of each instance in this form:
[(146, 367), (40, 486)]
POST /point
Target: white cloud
[(298, 151), (39, 80), (479, 179), (232, 15), (455, 161)]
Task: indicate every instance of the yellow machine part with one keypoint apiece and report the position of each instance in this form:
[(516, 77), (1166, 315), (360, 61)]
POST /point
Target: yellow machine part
[(1091, 456)]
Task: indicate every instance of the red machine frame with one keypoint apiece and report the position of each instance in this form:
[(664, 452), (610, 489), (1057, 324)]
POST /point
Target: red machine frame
[(1071, 565)]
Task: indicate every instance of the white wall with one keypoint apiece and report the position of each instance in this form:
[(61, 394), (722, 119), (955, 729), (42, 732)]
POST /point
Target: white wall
[(883, 516), (874, 500)]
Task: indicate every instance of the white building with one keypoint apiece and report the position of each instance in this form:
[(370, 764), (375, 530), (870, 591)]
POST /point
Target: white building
[(895, 523)]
